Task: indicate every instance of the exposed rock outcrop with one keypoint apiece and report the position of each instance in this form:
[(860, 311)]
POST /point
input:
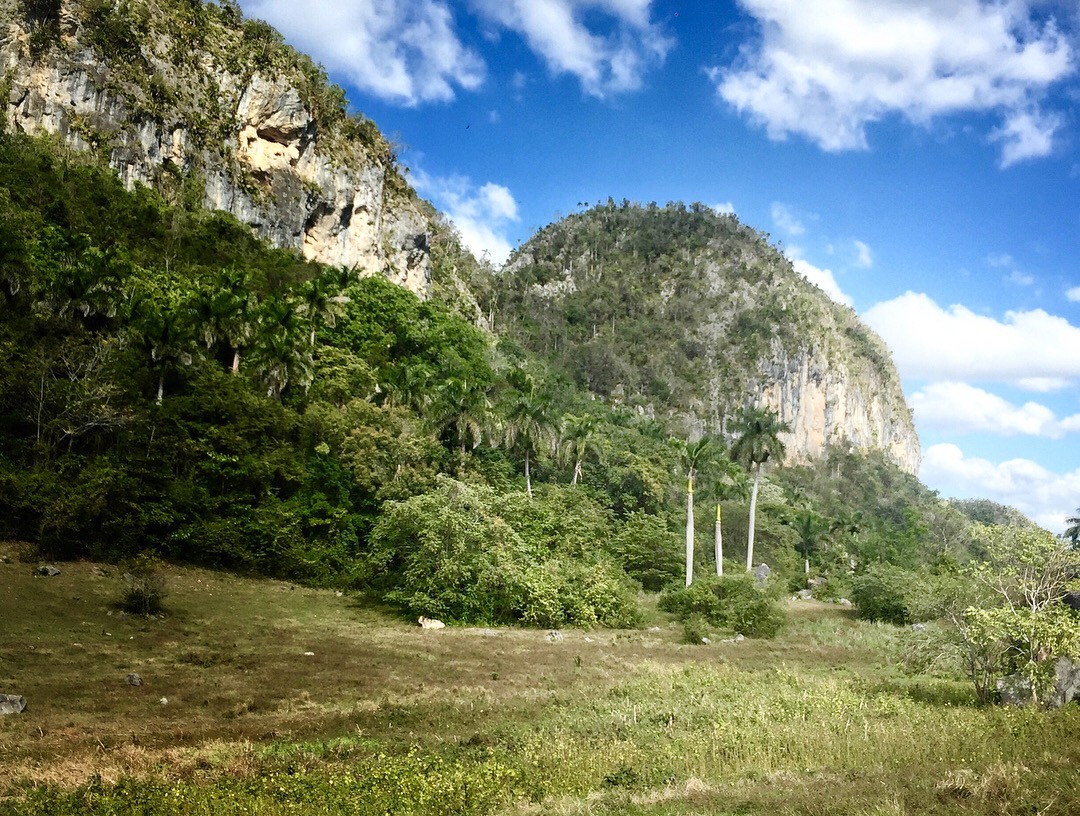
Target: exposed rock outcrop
[(251, 132)]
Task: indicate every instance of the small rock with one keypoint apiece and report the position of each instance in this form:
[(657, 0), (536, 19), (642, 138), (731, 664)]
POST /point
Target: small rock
[(739, 638), (805, 594), (4, 559), (309, 654), (47, 570), (588, 639), (12, 704), (339, 594), (164, 701), (655, 629), (555, 636), (918, 627), (706, 641), (133, 679), (430, 623), (489, 633), (844, 602)]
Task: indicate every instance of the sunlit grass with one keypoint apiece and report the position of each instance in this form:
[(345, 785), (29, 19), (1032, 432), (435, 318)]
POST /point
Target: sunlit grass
[(384, 717)]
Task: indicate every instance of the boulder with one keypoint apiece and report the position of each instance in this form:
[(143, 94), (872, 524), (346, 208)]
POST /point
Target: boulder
[(47, 570), (805, 594), (12, 704), (430, 623), (133, 679), (1066, 682), (1014, 690), (762, 572)]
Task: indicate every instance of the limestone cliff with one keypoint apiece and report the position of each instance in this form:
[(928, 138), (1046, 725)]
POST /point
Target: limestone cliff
[(188, 95), (682, 313)]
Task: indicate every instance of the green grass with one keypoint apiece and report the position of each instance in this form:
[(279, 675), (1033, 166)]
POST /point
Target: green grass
[(386, 718)]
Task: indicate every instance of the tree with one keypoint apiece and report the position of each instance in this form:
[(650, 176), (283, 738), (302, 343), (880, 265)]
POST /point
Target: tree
[(528, 426), (729, 481), (758, 441), (578, 438), (281, 353), (1072, 532), (811, 529), (691, 454)]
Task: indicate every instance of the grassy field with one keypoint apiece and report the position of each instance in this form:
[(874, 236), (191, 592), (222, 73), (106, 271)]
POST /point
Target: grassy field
[(261, 697)]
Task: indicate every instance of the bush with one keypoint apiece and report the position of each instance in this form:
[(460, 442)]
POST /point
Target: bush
[(735, 602), (648, 551), (695, 630), (886, 593), (144, 586), (451, 554)]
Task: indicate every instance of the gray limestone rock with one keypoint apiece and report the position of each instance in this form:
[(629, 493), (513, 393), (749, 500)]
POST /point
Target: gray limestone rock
[(762, 572), (12, 704), (47, 570)]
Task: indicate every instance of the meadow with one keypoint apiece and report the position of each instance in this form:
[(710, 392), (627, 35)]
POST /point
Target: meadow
[(261, 696)]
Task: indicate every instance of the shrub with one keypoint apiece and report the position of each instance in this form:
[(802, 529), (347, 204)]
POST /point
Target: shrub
[(648, 551), (733, 602), (695, 629), (451, 554), (881, 594), (143, 591)]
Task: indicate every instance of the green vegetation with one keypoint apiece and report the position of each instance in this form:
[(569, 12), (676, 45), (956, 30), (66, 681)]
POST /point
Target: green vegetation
[(384, 716)]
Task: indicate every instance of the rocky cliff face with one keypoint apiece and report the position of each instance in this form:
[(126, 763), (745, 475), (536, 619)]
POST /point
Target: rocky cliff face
[(180, 94), (681, 313)]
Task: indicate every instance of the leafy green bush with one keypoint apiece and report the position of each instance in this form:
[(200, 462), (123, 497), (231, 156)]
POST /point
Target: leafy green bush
[(695, 629), (648, 551), (885, 593), (734, 602), (450, 553)]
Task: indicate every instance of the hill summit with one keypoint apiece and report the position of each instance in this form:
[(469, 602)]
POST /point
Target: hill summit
[(679, 311)]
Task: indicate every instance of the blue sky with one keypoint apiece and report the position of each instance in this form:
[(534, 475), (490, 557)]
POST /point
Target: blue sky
[(918, 161)]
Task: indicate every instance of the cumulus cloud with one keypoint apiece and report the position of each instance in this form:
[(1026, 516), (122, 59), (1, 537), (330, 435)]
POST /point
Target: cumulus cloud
[(403, 51), (1073, 294), (821, 278), (480, 214), (962, 408), (933, 343), (783, 215), (411, 52), (1043, 495), (727, 208), (603, 62), (827, 69)]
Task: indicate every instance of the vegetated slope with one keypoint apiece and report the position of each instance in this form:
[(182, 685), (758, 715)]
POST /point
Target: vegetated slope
[(190, 98), (680, 311)]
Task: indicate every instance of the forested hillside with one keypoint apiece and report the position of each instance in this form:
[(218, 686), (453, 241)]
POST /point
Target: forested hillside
[(680, 311)]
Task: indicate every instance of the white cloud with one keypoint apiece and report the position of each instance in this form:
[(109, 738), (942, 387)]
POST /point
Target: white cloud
[(962, 408), (1073, 294), (480, 214), (1046, 497), (865, 259), (785, 218), (1026, 135), (821, 278), (727, 208), (556, 30), (1021, 278), (929, 342), (828, 69), (403, 51)]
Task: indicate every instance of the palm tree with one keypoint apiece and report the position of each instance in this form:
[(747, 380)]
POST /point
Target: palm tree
[(759, 440), (579, 438), (729, 481), (225, 310), (1072, 532), (691, 453), (280, 349), (811, 529), (161, 321), (528, 426)]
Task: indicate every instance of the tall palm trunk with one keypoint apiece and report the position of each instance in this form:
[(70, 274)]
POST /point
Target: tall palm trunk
[(718, 544), (236, 360), (528, 477), (753, 511), (689, 530), (577, 473)]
